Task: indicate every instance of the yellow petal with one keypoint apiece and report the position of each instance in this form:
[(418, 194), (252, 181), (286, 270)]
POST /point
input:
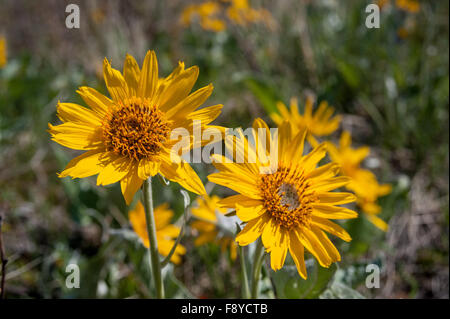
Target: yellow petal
[(190, 103), (207, 114), (248, 213), (314, 246), (333, 212), (298, 254), (381, 224), (178, 88), (99, 103), (76, 136), (331, 227), (71, 112), (330, 184), (235, 183), (114, 171), (252, 230), (115, 82), (131, 73), (148, 167), (331, 250), (309, 162), (149, 76), (183, 174), (85, 165), (130, 184), (231, 201), (335, 198)]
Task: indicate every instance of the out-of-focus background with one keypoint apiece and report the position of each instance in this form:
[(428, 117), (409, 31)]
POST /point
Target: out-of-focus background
[(390, 84)]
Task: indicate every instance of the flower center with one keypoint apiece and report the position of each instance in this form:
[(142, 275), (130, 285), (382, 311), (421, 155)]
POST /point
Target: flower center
[(287, 197), (135, 129)]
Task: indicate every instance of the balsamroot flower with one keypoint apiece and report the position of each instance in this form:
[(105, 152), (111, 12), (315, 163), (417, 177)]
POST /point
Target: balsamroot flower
[(128, 138), (209, 223), (165, 231), (317, 124), (363, 182), (291, 206)]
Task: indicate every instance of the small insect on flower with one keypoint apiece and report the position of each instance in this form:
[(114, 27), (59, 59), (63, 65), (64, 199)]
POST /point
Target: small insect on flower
[(317, 124), (128, 138), (363, 182), (291, 206), (211, 224), (165, 231)]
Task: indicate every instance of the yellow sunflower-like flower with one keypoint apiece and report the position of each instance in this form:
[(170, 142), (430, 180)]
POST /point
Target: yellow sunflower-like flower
[(3, 54), (316, 124), (363, 182), (128, 138), (291, 206), (165, 231), (209, 214)]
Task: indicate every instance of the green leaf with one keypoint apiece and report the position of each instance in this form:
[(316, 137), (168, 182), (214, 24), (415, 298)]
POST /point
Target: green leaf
[(340, 291), (290, 285), (265, 94)]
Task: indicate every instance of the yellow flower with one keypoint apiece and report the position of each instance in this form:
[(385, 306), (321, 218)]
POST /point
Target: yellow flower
[(412, 6), (206, 13), (165, 231), (290, 208), (241, 13), (3, 54), (127, 138), (363, 182), (207, 213), (318, 124)]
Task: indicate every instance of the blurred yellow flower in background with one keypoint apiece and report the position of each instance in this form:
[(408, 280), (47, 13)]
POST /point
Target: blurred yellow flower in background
[(3, 52), (208, 214), (206, 13), (317, 124), (412, 6), (127, 138), (211, 14), (165, 231), (363, 182), (290, 207)]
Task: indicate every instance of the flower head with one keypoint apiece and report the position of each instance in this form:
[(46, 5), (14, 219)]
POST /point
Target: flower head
[(291, 206), (128, 138), (317, 124), (165, 231), (209, 218), (363, 182)]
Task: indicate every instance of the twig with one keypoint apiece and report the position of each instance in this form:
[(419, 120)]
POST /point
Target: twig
[(4, 261)]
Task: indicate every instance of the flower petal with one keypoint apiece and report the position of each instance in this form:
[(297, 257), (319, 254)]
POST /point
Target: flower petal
[(252, 230), (130, 184), (149, 76), (85, 165), (115, 82), (298, 254), (131, 73)]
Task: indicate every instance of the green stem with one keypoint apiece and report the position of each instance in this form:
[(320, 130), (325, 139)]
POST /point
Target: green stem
[(244, 272), (256, 271), (151, 230)]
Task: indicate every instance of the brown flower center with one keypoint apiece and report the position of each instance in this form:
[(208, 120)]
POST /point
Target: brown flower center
[(135, 129), (287, 197)]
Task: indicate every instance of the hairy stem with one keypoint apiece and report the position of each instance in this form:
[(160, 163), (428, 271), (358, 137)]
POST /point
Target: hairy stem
[(151, 230), (256, 271), (246, 289)]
